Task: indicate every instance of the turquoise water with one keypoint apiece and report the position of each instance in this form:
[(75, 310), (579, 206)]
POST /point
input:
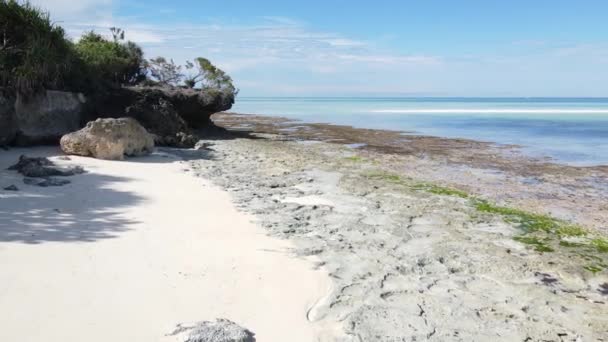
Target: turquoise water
[(569, 130)]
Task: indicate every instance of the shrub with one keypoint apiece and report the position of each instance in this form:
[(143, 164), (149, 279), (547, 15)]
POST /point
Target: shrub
[(34, 52), (111, 63)]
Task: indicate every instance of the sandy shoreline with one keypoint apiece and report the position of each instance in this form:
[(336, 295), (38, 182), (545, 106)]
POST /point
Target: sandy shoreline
[(130, 249), (356, 244)]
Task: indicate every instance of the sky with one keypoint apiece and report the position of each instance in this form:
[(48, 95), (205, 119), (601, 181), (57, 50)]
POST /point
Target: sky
[(370, 48)]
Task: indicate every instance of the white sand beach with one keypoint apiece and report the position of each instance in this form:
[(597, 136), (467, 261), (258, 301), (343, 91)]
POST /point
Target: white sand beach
[(131, 248)]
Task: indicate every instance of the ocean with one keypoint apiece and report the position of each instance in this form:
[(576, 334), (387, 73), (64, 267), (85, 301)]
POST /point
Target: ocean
[(568, 130)]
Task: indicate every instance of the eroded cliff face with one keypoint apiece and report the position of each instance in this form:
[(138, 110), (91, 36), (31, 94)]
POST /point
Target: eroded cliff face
[(39, 118), (169, 114), (46, 116), (8, 125)]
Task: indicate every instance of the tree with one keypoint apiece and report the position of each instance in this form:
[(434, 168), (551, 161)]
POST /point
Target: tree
[(208, 75), (117, 33), (166, 72)]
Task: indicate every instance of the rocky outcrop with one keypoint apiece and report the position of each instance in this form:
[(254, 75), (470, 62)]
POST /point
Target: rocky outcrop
[(222, 330), (168, 113), (158, 115), (8, 125), (109, 139), (46, 116), (196, 107)]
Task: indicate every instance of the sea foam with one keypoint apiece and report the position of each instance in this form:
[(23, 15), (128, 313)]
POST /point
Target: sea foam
[(491, 111)]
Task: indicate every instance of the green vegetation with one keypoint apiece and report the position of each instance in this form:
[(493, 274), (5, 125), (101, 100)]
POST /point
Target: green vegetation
[(600, 244), (546, 233), (35, 54), (208, 75), (539, 245), (426, 187), (530, 222), (201, 73), (543, 233), (440, 190), (111, 62), (355, 159), (593, 268)]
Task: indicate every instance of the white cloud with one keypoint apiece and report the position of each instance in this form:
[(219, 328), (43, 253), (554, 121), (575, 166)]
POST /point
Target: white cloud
[(137, 33), (283, 56), (62, 10)]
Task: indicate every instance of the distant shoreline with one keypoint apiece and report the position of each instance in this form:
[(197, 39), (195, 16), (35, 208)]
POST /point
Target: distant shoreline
[(579, 124)]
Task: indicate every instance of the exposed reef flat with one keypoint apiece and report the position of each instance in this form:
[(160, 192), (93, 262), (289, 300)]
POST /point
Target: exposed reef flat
[(426, 238), (499, 173)]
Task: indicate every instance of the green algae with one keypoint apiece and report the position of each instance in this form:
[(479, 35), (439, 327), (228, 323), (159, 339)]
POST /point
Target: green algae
[(355, 159), (540, 245), (600, 244), (440, 190)]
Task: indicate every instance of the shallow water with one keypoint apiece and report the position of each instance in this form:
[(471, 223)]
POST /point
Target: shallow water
[(569, 130)]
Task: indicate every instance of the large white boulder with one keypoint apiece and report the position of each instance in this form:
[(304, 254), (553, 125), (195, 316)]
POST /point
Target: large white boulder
[(109, 139)]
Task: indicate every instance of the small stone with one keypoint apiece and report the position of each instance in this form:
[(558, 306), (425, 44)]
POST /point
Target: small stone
[(11, 188), (222, 330)]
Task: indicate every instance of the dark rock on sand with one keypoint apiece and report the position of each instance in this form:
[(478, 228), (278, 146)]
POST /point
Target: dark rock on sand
[(42, 167), (46, 182), (12, 187), (222, 330), (179, 140)]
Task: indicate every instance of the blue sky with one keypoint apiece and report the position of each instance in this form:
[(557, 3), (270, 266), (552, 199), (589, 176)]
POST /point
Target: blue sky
[(371, 48)]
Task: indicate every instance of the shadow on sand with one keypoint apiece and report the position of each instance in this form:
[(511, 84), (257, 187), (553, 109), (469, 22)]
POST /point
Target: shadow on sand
[(36, 215)]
